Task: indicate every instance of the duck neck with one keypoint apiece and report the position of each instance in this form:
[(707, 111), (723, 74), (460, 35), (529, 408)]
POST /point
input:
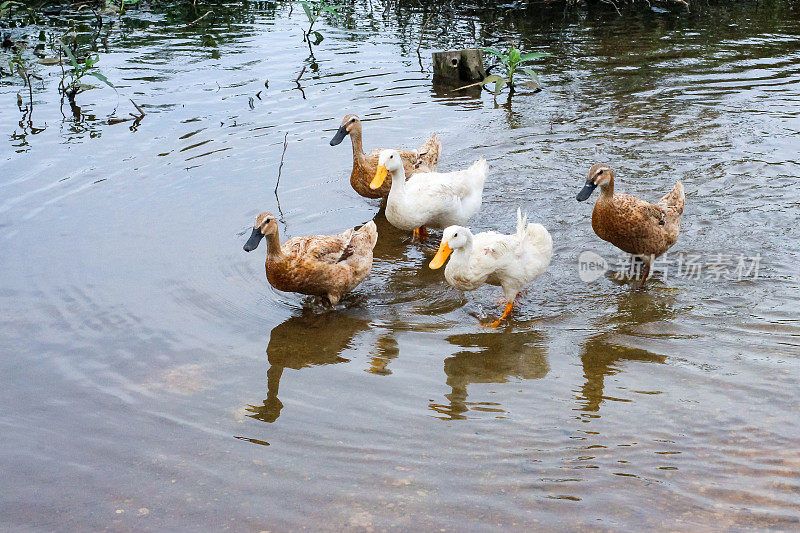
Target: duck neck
[(461, 255), (607, 189), (358, 149), (274, 252), (398, 187)]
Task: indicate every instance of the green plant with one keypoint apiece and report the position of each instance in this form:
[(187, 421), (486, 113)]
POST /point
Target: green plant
[(79, 70), (7, 6), (511, 60), (120, 4), (313, 10)]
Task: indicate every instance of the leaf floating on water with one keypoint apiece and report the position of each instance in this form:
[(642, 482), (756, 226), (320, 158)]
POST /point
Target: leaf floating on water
[(318, 36), (49, 61), (102, 78)]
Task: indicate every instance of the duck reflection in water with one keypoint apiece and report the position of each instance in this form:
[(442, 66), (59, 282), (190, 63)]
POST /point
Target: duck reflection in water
[(490, 358), (304, 341), (632, 324)]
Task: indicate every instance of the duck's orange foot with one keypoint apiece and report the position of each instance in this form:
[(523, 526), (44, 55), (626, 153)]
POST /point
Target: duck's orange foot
[(506, 312), (420, 234)]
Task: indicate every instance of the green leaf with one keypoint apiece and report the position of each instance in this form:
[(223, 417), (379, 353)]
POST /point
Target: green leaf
[(307, 9), (530, 73), (493, 51), (533, 55), (102, 78), (490, 79), (70, 56), (498, 86), (332, 10), (318, 36), (513, 55)]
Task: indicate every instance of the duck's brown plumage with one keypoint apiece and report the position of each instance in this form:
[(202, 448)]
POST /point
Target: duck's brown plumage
[(318, 265), (423, 159), (632, 224)]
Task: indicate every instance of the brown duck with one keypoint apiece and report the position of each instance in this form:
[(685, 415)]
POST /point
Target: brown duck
[(318, 265), (423, 159), (631, 224)]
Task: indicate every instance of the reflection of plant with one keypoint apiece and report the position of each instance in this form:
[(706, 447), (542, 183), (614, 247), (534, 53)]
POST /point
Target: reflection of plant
[(313, 11), (120, 4), (511, 61), (79, 70)]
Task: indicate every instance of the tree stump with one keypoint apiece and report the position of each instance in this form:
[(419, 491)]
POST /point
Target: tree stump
[(459, 65)]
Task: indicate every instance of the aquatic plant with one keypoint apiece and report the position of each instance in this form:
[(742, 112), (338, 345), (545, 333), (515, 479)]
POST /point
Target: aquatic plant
[(79, 70), (511, 61), (6, 7), (120, 4), (313, 11)]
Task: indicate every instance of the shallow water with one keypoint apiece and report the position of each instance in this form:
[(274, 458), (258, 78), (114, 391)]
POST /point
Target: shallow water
[(151, 379)]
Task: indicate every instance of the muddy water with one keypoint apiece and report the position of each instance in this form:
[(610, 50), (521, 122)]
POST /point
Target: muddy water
[(151, 379)]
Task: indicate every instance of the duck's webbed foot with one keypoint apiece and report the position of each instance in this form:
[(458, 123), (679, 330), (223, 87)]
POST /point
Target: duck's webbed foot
[(421, 234), (506, 312)]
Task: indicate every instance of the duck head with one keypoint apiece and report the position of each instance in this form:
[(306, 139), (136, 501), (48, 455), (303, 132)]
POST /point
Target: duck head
[(453, 238), (388, 161), (350, 123), (265, 225), (599, 176)]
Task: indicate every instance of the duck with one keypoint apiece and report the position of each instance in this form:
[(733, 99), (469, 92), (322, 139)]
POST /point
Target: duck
[(510, 261), (423, 159), (319, 265), (435, 199), (631, 224)]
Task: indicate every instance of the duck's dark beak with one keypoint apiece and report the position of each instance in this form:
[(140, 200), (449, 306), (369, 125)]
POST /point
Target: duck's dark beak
[(252, 242), (341, 133), (586, 192)]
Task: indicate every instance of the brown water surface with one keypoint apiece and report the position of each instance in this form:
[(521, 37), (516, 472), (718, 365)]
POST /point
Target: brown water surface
[(151, 379)]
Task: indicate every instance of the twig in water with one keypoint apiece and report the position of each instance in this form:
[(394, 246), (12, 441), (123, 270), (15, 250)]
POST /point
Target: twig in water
[(199, 19), (139, 109), (280, 167), (297, 81), (422, 31)]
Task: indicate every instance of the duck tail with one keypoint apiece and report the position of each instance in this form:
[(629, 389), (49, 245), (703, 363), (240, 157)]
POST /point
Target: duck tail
[(478, 172), (365, 236), (429, 153), (674, 200), (522, 223), (370, 233), (533, 235)]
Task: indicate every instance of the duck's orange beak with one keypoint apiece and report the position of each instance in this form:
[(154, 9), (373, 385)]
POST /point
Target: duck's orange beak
[(380, 177), (441, 255)]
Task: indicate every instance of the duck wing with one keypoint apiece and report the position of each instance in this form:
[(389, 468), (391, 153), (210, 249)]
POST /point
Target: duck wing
[(636, 211), (320, 248), (428, 154), (674, 200), (361, 242)]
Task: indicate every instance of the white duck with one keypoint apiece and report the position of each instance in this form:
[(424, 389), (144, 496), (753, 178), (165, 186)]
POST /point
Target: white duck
[(436, 199), (510, 261)]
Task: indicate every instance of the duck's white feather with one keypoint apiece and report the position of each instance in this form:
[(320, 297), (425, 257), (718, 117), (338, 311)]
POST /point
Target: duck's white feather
[(510, 261), (436, 199)]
